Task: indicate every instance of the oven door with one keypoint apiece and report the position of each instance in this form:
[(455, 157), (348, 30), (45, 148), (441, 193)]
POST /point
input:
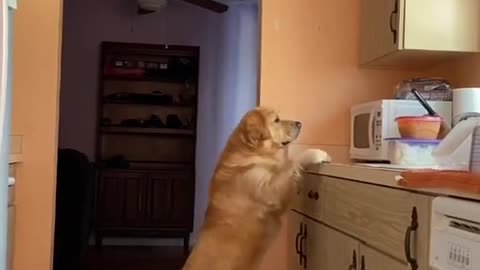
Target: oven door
[(365, 132)]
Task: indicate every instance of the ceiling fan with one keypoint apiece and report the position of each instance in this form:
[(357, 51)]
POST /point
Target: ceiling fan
[(149, 6)]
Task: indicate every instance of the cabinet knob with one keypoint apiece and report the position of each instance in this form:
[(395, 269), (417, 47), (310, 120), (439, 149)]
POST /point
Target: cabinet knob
[(313, 195)]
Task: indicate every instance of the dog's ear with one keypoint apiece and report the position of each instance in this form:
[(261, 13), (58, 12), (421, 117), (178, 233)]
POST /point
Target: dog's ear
[(254, 127)]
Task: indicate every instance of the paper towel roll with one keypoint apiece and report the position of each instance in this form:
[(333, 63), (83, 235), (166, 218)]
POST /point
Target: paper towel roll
[(466, 102)]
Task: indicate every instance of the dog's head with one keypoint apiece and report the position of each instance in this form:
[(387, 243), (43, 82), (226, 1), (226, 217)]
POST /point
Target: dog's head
[(262, 129)]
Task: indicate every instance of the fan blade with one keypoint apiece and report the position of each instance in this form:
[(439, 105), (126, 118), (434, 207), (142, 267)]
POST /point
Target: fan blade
[(210, 5)]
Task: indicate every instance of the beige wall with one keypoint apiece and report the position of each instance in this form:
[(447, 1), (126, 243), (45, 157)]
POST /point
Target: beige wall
[(309, 71), (35, 112), (461, 73), (309, 68)]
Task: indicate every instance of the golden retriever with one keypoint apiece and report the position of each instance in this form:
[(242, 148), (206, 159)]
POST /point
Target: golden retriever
[(251, 189)]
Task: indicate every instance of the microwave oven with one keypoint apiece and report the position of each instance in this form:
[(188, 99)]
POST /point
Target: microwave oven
[(373, 122)]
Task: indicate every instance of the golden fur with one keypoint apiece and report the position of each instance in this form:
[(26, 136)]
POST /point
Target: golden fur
[(250, 190)]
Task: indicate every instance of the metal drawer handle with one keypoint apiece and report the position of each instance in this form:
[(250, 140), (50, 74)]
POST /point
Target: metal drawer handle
[(297, 238), (353, 266), (392, 27), (412, 228), (303, 244)]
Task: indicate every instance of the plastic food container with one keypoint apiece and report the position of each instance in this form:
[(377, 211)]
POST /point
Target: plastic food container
[(412, 152), (419, 127)]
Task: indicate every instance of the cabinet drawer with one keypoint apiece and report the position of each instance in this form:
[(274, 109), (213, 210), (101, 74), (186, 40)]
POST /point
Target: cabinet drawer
[(377, 215), (310, 196)]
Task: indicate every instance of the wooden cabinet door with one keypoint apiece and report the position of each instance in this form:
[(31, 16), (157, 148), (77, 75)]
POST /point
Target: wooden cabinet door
[(379, 216), (296, 233), (121, 200), (335, 250), (170, 200), (314, 233), (371, 259), (381, 28)]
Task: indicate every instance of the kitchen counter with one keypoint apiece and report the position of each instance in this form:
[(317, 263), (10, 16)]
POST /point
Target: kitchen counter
[(382, 177)]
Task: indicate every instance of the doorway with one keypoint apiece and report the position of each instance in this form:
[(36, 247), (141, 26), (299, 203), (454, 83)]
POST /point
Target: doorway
[(141, 228)]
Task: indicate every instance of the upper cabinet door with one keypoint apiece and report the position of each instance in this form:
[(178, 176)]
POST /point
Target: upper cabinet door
[(418, 32), (442, 25), (381, 28)]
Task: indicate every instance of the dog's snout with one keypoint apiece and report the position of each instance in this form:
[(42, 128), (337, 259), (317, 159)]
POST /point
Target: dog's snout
[(298, 124)]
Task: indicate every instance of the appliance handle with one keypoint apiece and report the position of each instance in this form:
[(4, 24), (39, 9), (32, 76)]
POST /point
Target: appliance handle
[(412, 228), (371, 127)]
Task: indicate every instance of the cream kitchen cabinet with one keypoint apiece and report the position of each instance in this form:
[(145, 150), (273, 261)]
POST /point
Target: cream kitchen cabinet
[(416, 32), (337, 250), (313, 246), (296, 258), (385, 218), (341, 224)]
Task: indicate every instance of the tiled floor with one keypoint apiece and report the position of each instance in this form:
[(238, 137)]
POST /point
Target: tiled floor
[(135, 258)]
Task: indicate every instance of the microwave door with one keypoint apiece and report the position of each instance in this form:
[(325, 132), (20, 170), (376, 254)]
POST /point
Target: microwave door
[(362, 133)]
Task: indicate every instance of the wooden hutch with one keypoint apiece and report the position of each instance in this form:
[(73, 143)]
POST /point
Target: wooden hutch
[(146, 141)]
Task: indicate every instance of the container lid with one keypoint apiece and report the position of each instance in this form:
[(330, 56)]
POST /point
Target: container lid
[(420, 118), (407, 140)]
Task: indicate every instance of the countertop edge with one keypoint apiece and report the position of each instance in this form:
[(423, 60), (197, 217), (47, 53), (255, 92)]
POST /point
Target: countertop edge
[(381, 177)]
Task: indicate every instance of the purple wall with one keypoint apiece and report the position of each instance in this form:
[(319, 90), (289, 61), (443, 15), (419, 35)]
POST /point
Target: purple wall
[(88, 22), (228, 68)]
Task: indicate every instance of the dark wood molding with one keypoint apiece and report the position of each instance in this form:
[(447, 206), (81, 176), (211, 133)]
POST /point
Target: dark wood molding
[(210, 5)]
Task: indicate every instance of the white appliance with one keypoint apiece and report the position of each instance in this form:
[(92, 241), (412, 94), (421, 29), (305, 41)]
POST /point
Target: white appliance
[(455, 234), (466, 103), (455, 150), (11, 222), (6, 22), (373, 122)]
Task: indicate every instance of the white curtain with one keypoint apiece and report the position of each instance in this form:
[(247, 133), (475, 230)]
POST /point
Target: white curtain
[(238, 66), (234, 92)]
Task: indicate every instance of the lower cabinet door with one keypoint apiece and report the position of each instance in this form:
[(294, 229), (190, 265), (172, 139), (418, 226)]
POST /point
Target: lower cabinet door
[(170, 200), (336, 251), (371, 259), (121, 200), (296, 240)]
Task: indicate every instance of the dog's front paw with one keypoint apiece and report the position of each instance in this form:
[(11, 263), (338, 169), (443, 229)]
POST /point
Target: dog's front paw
[(314, 156)]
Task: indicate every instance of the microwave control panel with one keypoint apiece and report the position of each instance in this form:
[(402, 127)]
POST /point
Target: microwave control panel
[(377, 126)]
